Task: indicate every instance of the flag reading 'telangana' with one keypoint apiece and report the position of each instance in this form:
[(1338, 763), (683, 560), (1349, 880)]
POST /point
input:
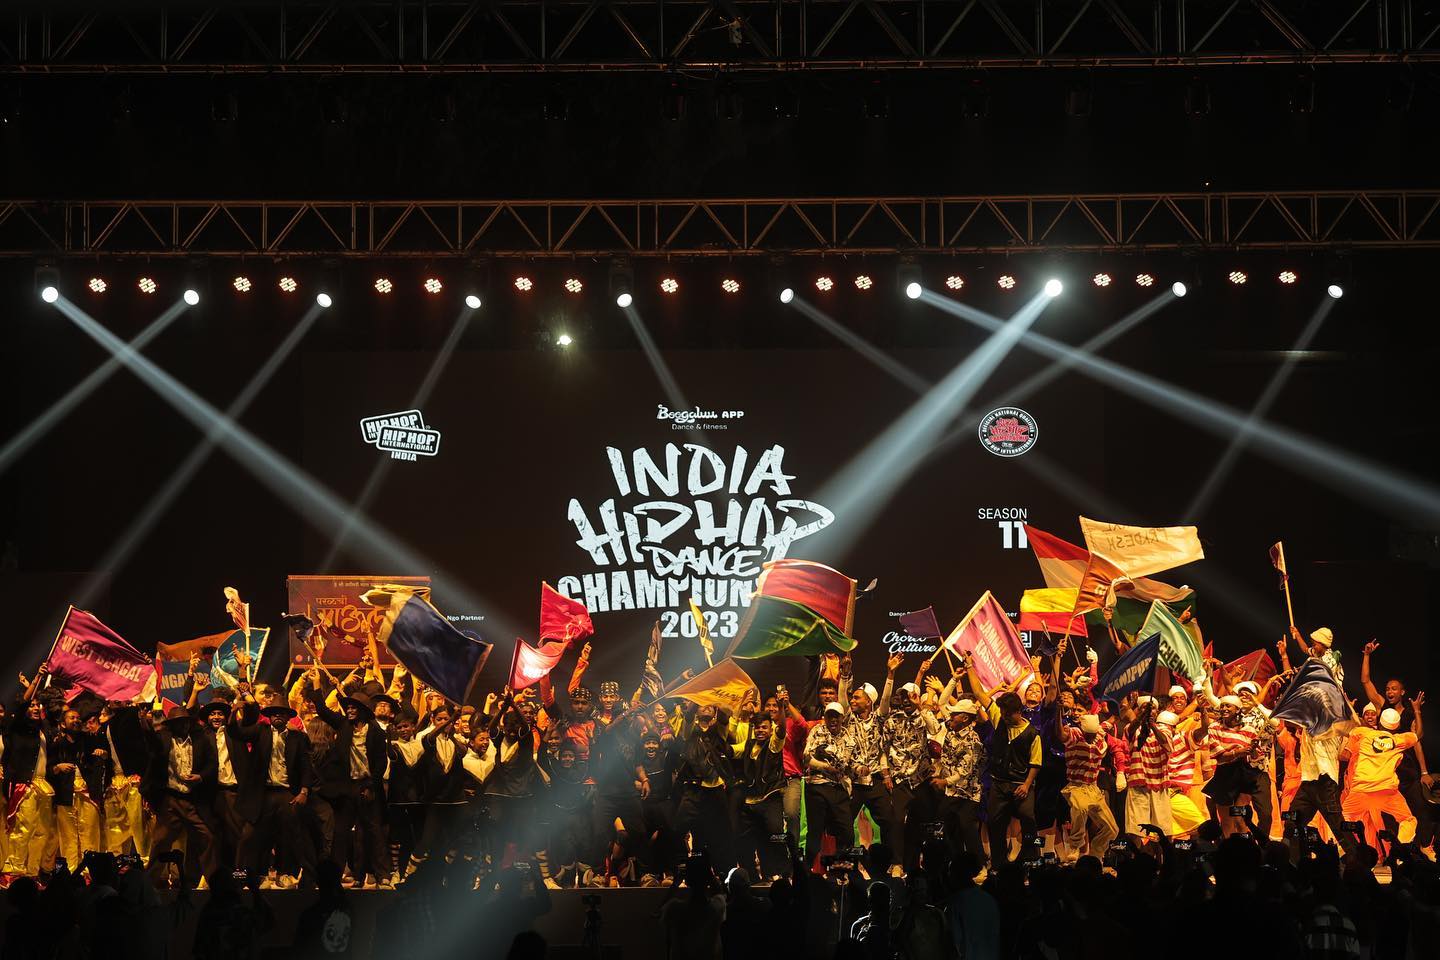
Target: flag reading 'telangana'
[(88, 655), (419, 636), (723, 685), (1140, 551), (988, 635)]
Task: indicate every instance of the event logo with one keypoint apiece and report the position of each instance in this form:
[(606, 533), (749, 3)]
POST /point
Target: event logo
[(403, 435), (696, 418), (897, 642), (1008, 431), (686, 521)]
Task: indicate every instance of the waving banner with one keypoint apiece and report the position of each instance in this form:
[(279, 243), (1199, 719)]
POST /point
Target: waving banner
[(987, 633)]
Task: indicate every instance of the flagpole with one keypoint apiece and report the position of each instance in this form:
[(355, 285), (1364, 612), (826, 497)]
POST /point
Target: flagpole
[(249, 658), (1289, 610)]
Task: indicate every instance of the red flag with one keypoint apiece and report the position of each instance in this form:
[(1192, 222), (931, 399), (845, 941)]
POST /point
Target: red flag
[(182, 650), (1256, 666), (562, 618), (88, 655), (822, 589), (1062, 564), (529, 664)]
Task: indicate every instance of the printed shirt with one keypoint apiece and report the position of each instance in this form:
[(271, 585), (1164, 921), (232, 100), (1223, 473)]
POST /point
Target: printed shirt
[(1083, 756), (905, 736), (868, 737), (359, 760), (962, 761), (1256, 721), (1374, 756), (840, 749), (279, 774), (182, 758)]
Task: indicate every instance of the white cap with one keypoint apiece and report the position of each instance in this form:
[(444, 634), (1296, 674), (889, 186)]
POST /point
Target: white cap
[(1369, 708), (870, 692), (1231, 699), (1390, 718), (910, 688), (1178, 691), (1144, 699), (965, 706), (833, 707), (1323, 635), (1167, 718), (1250, 685), (1089, 724)]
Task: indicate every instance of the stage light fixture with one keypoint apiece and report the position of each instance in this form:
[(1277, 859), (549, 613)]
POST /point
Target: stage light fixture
[(97, 285), (472, 301), (730, 285), (955, 281), (324, 300), (563, 340), (1102, 279), (1144, 280), (624, 300), (1179, 289), (383, 285), (49, 294), (669, 285), (1288, 277), (824, 284), (573, 285), (241, 284), (864, 282), (289, 285), (1238, 277), (787, 295), (147, 285), (433, 285), (913, 290), (1006, 282), (524, 284), (1053, 288), (192, 297), (1335, 291)]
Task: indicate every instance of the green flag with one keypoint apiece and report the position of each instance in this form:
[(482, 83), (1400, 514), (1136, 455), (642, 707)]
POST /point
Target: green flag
[(1130, 613), (783, 627), (1178, 649)]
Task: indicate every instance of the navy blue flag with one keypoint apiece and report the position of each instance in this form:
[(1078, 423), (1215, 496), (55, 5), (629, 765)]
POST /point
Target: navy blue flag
[(921, 624), (1135, 670), (431, 648), (1313, 700)]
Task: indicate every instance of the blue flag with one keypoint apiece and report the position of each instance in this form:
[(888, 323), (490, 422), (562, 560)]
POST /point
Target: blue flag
[(431, 648), (1135, 670), (1313, 700)]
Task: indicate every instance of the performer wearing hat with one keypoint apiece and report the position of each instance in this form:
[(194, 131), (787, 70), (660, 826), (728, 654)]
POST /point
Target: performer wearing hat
[(232, 761), (1092, 826), (957, 778), (180, 766), (1415, 778), (829, 763), (907, 730), (1015, 758), (1374, 789), (357, 761), (274, 785), (1322, 648), (865, 724), (1228, 742)]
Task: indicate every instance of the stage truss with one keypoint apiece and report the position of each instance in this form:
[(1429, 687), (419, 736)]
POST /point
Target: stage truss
[(1332, 220), (459, 36)]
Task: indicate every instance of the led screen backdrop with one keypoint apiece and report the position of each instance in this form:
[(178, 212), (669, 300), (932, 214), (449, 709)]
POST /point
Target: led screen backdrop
[(577, 468)]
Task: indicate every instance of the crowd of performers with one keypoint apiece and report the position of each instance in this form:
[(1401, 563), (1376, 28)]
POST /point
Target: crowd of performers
[(596, 790)]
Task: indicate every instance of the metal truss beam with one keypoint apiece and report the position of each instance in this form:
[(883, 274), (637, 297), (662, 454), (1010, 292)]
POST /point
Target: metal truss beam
[(816, 226), (466, 36)]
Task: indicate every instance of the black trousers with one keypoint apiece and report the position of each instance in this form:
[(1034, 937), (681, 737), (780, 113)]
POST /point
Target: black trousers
[(360, 820), (906, 841), (961, 817), (665, 847), (1323, 797), (607, 809), (704, 814), (318, 817), (876, 799), (278, 828), (759, 823), (1002, 808), (178, 816), (827, 810), (407, 821), (1260, 800), (228, 827), (442, 827)]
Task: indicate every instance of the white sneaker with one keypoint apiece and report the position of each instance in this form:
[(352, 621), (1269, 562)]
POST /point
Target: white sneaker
[(286, 882), (203, 884), (370, 884), (267, 884), (550, 884), (387, 885)]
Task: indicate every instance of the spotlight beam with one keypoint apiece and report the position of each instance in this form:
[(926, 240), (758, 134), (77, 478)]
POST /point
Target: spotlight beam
[(60, 409), (668, 383), (381, 470), (901, 373), (866, 483), (1392, 492), (308, 497), (149, 515), (1220, 472)]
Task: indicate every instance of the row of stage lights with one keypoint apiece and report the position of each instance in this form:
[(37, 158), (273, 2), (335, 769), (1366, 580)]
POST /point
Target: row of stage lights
[(669, 285)]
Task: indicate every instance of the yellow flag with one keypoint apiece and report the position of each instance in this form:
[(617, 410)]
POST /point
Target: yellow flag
[(1141, 551), (1050, 600), (723, 685), (706, 643)]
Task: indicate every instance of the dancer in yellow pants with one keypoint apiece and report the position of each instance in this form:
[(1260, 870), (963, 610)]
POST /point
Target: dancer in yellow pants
[(1374, 788)]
